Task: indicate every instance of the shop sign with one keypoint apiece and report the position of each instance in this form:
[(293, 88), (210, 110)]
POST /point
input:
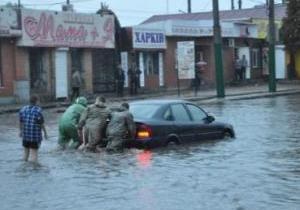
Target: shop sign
[(66, 29), (9, 22), (195, 31), (148, 38), (186, 59)]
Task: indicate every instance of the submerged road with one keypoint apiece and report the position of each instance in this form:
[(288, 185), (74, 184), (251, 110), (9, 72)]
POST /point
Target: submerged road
[(259, 169)]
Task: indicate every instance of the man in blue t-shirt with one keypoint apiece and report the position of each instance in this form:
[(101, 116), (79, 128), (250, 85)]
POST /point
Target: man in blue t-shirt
[(31, 126)]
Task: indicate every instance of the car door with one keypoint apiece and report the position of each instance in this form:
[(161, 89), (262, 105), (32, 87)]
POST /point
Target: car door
[(182, 122), (203, 128)]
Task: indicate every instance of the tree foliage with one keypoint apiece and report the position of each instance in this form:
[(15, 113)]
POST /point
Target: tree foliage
[(291, 25)]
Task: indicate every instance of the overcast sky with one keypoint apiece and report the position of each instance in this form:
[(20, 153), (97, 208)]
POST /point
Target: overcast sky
[(133, 12)]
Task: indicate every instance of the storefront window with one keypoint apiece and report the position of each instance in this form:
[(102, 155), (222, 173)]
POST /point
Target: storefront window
[(151, 63), (38, 74)]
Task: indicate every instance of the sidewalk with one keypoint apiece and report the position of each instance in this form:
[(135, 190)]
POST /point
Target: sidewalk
[(239, 92)]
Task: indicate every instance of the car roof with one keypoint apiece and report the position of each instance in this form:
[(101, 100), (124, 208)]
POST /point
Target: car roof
[(159, 101)]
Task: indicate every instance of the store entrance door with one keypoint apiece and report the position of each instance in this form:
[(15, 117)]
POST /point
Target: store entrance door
[(246, 51)]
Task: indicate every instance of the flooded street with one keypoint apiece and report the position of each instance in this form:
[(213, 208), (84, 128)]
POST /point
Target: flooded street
[(259, 169)]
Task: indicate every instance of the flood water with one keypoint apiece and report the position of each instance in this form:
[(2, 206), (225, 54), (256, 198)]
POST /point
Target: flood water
[(259, 169)]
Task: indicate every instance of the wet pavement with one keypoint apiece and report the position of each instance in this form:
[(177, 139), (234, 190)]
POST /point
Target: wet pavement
[(259, 169)]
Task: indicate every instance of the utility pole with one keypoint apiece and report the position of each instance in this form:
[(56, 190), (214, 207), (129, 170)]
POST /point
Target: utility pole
[(189, 6), (218, 50), (272, 79), (240, 4), (232, 4)]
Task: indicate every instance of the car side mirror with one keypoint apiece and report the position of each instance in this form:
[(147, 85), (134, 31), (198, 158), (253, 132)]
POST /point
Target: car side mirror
[(210, 118)]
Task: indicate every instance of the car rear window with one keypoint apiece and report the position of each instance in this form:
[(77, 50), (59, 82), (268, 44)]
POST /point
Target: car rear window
[(144, 111)]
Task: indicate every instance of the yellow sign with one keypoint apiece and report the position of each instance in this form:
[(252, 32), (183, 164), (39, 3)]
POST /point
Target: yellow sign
[(263, 27)]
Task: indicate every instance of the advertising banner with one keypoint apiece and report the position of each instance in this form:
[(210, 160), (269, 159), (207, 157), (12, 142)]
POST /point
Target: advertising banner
[(186, 59), (66, 29)]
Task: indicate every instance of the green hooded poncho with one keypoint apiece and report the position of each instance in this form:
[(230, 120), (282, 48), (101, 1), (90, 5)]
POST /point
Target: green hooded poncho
[(68, 123)]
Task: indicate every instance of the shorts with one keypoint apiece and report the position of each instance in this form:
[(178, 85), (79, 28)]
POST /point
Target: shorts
[(31, 144)]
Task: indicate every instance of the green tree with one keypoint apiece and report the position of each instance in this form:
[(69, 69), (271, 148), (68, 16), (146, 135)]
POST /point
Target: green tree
[(291, 33)]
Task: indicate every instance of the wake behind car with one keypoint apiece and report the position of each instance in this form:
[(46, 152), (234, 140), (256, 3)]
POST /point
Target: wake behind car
[(161, 122)]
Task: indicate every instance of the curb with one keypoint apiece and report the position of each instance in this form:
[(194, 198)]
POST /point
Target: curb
[(208, 99)]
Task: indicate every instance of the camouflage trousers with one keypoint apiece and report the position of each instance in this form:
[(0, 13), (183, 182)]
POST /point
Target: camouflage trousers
[(115, 144)]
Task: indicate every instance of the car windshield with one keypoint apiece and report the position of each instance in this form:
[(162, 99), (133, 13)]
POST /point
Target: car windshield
[(144, 111)]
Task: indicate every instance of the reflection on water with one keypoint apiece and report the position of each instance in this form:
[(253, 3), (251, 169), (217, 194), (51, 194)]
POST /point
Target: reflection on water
[(144, 158), (260, 169)]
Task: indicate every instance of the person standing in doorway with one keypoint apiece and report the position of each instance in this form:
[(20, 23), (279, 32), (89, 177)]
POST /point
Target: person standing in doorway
[(244, 65), (31, 126), (76, 84)]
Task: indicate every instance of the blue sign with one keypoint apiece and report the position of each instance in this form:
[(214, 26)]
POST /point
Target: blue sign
[(148, 39)]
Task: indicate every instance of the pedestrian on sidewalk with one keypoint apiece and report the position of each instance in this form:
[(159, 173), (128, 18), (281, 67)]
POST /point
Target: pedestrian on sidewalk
[(137, 83), (120, 129), (68, 133), (244, 65), (31, 126), (197, 81), (120, 78), (93, 121), (134, 79), (76, 83), (237, 68)]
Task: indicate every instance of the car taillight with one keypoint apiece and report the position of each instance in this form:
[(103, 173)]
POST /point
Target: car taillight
[(143, 132)]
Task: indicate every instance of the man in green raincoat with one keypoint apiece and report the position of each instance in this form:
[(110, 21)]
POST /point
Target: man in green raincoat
[(68, 131)]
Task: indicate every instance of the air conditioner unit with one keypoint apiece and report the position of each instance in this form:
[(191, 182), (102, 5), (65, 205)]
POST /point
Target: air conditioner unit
[(231, 43)]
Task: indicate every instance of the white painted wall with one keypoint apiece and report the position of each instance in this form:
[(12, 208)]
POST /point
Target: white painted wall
[(61, 73)]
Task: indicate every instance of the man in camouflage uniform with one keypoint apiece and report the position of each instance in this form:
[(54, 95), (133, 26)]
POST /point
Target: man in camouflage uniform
[(120, 128), (93, 120)]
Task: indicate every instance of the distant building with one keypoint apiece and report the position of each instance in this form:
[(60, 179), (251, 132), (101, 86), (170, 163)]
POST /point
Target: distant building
[(255, 48), (40, 53), (244, 32)]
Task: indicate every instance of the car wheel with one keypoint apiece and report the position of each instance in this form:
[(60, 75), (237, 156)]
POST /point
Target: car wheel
[(172, 142), (227, 134)]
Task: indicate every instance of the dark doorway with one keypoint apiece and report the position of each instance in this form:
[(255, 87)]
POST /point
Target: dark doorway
[(104, 70), (38, 74)]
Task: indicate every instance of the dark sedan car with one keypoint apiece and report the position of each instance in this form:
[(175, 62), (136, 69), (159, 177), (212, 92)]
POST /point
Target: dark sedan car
[(160, 122)]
